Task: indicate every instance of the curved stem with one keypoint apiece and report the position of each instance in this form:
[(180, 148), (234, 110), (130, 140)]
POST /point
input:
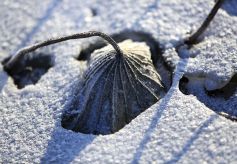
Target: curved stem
[(194, 37), (26, 50)]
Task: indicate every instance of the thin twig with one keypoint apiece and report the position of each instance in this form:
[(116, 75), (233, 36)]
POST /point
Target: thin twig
[(31, 48), (194, 37), (228, 116)]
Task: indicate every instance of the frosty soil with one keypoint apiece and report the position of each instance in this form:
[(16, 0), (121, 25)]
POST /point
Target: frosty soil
[(81, 110), (156, 141)]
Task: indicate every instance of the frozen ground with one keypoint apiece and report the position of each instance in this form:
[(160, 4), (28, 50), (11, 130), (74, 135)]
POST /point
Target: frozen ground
[(179, 128)]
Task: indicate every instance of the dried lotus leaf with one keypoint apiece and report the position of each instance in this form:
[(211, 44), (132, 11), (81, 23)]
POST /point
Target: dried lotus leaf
[(115, 90)]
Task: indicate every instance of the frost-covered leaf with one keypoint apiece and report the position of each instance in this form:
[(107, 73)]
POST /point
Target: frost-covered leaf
[(115, 90)]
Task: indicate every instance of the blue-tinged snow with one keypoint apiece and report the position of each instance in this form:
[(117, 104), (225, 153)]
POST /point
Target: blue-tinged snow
[(178, 128)]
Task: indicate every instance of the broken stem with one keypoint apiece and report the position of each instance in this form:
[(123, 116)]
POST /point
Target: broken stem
[(26, 50), (194, 37)]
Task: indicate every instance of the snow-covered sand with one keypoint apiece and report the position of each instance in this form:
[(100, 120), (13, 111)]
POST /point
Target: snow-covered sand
[(178, 128)]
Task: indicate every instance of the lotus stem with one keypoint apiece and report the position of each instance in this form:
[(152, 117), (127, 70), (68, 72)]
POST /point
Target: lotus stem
[(194, 37), (33, 47)]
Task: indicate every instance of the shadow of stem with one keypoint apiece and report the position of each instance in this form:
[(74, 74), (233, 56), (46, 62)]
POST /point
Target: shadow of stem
[(178, 155), (160, 109)]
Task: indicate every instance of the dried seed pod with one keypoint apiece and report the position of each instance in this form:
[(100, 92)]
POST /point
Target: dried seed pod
[(116, 88)]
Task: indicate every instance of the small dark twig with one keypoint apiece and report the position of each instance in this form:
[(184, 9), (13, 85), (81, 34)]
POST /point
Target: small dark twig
[(26, 50), (228, 116), (194, 37)]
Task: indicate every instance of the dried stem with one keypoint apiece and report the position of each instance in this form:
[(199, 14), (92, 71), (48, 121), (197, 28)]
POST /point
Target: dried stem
[(26, 50), (228, 116), (194, 37)]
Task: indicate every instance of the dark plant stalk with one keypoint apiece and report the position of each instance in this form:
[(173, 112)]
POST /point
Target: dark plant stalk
[(194, 37), (33, 47), (228, 116)]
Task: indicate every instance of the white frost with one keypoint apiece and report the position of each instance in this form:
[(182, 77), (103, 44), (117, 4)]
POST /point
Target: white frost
[(178, 128)]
